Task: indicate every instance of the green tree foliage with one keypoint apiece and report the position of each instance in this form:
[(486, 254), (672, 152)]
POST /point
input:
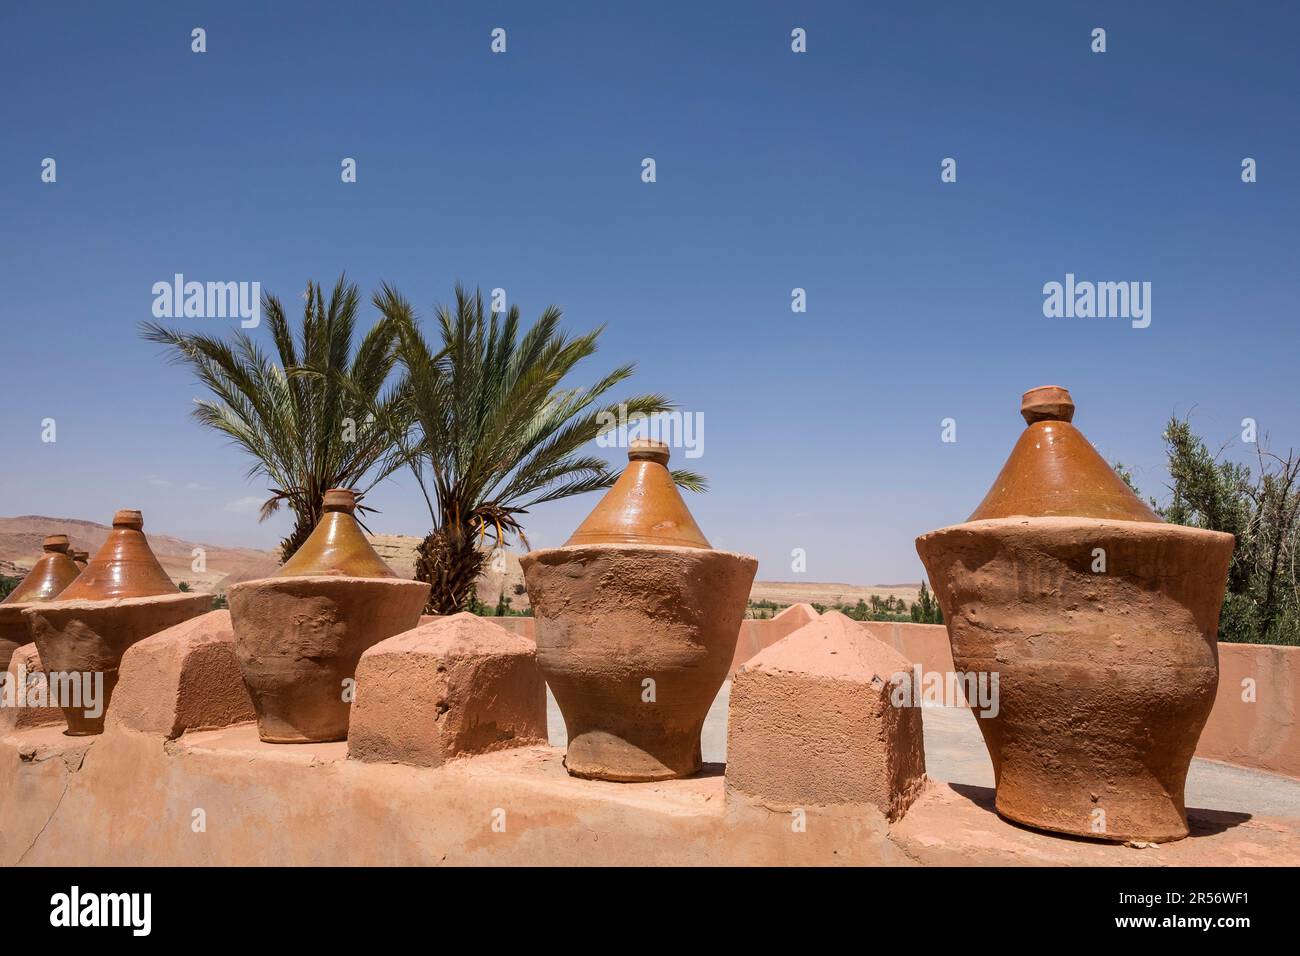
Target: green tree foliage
[(1260, 509), (302, 416), (924, 610), (490, 430)]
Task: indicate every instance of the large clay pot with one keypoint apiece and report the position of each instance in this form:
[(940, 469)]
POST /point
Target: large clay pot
[(1100, 622), (300, 633), (636, 625), (53, 571), (121, 597)]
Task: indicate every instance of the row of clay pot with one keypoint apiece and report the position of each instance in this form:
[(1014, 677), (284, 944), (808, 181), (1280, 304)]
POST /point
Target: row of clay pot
[(82, 621), (1099, 619), (299, 634)]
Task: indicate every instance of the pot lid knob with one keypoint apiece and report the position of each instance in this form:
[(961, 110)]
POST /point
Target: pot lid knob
[(340, 499), (1047, 403), (645, 449), (56, 542), (128, 518)]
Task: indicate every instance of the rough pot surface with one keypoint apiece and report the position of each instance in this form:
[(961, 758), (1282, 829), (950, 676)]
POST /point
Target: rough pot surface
[(298, 639), (13, 631), (635, 641), (1106, 671), (89, 637)]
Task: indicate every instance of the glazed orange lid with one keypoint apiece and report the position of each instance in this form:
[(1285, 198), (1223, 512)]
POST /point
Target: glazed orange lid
[(125, 567), (337, 545), (643, 506), (1054, 471), (53, 571)]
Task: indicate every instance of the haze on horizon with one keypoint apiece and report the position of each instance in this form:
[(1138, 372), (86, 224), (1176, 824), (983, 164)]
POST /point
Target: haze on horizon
[(775, 171)]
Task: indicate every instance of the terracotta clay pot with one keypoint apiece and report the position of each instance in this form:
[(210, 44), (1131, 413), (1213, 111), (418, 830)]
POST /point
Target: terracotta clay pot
[(636, 624), (76, 638), (53, 571), (125, 567), (80, 559), (121, 597), (300, 633), (1100, 622)]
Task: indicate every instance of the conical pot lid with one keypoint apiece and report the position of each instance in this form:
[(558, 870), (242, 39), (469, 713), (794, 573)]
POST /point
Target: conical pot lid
[(53, 571), (1055, 472), (125, 567), (643, 506), (337, 546), (80, 559)]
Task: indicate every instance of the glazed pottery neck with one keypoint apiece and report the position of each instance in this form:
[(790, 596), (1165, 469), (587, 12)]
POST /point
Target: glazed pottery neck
[(337, 546), (643, 507), (125, 567), (1054, 471), (51, 573)]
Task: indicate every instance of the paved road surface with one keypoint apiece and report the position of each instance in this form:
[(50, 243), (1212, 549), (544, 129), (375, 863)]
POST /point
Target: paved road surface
[(954, 751)]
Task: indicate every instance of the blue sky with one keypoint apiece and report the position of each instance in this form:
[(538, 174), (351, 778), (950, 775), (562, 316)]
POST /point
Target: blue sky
[(775, 170)]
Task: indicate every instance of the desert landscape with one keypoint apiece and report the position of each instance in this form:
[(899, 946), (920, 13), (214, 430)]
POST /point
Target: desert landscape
[(20, 546)]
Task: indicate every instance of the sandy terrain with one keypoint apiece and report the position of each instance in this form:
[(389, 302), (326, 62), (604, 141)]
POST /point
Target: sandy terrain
[(20, 545), (813, 592)]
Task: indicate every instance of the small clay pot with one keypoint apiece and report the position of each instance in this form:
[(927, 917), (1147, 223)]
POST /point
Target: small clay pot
[(1100, 622), (300, 633), (53, 571), (636, 624)]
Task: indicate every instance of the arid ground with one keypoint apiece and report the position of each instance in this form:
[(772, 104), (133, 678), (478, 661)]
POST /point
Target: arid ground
[(20, 545)]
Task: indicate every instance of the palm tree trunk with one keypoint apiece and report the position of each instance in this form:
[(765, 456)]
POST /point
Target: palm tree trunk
[(449, 560)]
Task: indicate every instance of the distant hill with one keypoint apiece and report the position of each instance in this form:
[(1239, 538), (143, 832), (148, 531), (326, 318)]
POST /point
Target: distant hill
[(21, 537), (21, 540)]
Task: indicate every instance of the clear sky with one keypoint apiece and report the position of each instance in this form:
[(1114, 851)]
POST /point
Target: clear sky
[(775, 170)]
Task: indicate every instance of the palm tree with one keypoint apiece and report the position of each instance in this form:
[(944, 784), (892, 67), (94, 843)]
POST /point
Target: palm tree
[(303, 419), (489, 432)]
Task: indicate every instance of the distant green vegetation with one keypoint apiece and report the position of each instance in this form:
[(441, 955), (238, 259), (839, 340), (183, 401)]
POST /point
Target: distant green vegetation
[(501, 609), (924, 610), (7, 584)]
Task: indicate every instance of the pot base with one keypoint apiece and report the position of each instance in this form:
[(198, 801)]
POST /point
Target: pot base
[(596, 755)]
